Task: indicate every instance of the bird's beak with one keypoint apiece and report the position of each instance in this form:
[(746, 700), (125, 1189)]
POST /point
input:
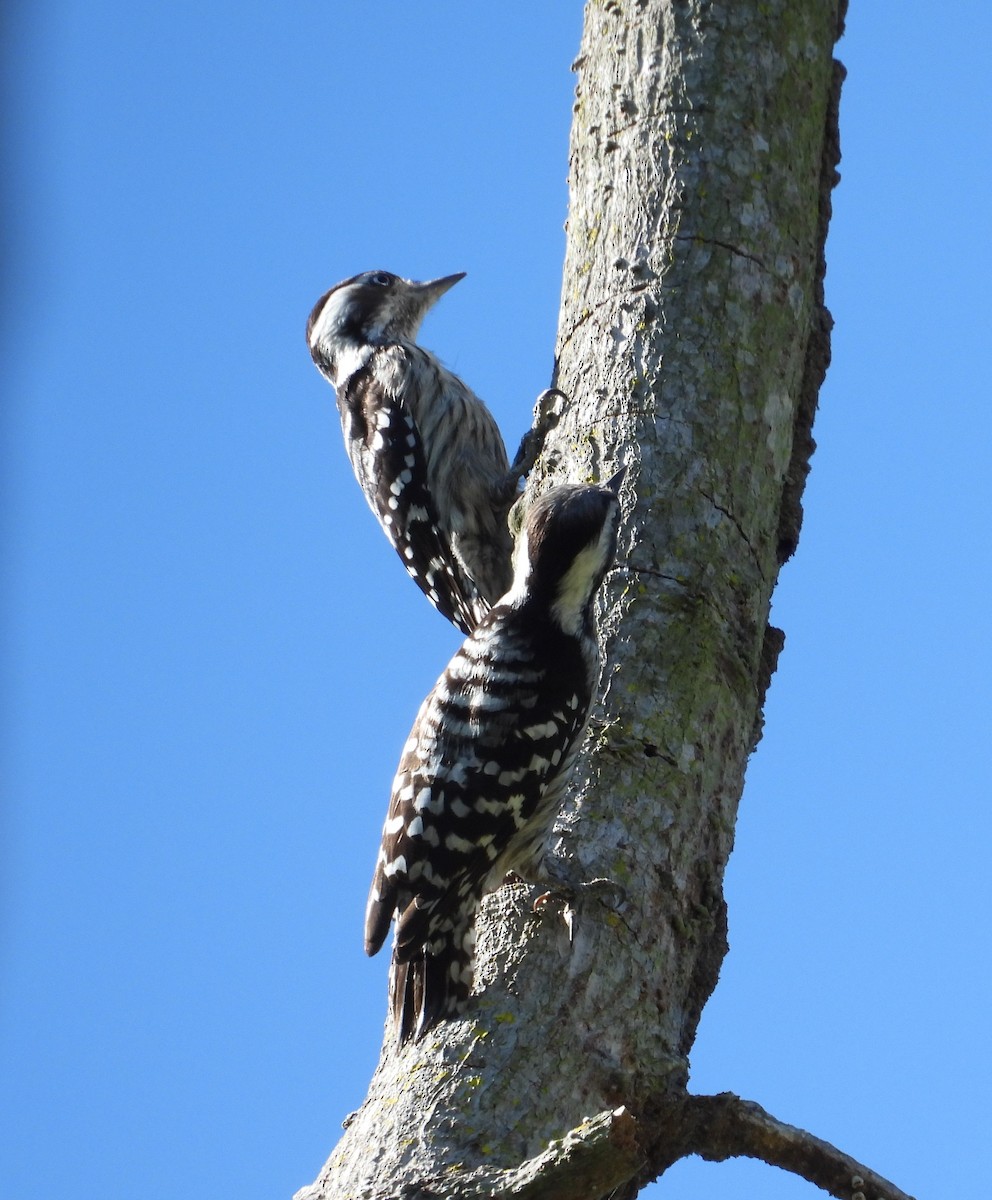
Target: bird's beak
[(435, 288), (614, 483)]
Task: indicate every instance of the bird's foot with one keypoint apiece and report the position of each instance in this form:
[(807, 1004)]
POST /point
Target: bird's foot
[(566, 892), (547, 414)]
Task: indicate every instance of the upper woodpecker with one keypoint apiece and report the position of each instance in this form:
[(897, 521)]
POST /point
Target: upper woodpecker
[(426, 450)]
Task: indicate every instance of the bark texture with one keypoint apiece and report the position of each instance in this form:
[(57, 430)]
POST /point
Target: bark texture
[(692, 341)]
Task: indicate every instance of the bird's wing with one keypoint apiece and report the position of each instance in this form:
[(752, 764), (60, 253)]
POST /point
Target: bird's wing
[(388, 458)]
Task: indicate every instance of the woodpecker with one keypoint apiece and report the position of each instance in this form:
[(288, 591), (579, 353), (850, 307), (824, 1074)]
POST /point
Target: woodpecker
[(485, 766), (425, 449)]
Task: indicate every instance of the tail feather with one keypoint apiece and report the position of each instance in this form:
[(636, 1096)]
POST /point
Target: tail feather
[(433, 984), (379, 910)]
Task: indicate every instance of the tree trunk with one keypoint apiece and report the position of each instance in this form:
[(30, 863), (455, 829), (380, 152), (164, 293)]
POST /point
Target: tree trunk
[(692, 341)]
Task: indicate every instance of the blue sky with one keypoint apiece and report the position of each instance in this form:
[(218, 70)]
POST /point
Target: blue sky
[(213, 658)]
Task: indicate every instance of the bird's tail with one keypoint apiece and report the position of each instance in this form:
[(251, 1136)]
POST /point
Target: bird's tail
[(434, 983)]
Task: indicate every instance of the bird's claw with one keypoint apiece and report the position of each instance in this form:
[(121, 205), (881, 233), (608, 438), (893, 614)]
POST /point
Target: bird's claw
[(546, 417), (565, 893)]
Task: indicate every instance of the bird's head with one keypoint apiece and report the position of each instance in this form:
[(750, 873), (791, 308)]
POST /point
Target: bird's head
[(373, 308), (565, 548)]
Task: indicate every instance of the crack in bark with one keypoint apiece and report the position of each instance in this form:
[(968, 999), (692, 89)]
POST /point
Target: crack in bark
[(578, 325), (739, 527), (629, 566), (639, 120), (647, 116), (711, 241)]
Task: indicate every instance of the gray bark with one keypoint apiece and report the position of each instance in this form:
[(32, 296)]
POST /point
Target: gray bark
[(692, 341)]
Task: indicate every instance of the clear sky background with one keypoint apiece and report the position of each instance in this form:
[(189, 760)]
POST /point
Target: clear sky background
[(213, 657)]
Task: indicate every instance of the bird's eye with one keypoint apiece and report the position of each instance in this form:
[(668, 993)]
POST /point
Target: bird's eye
[(380, 279)]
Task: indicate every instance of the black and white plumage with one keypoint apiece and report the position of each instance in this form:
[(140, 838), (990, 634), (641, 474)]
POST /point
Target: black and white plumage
[(425, 449), (484, 769)]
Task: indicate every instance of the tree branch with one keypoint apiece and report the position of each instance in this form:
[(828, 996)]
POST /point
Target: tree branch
[(584, 1165), (725, 1126)]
